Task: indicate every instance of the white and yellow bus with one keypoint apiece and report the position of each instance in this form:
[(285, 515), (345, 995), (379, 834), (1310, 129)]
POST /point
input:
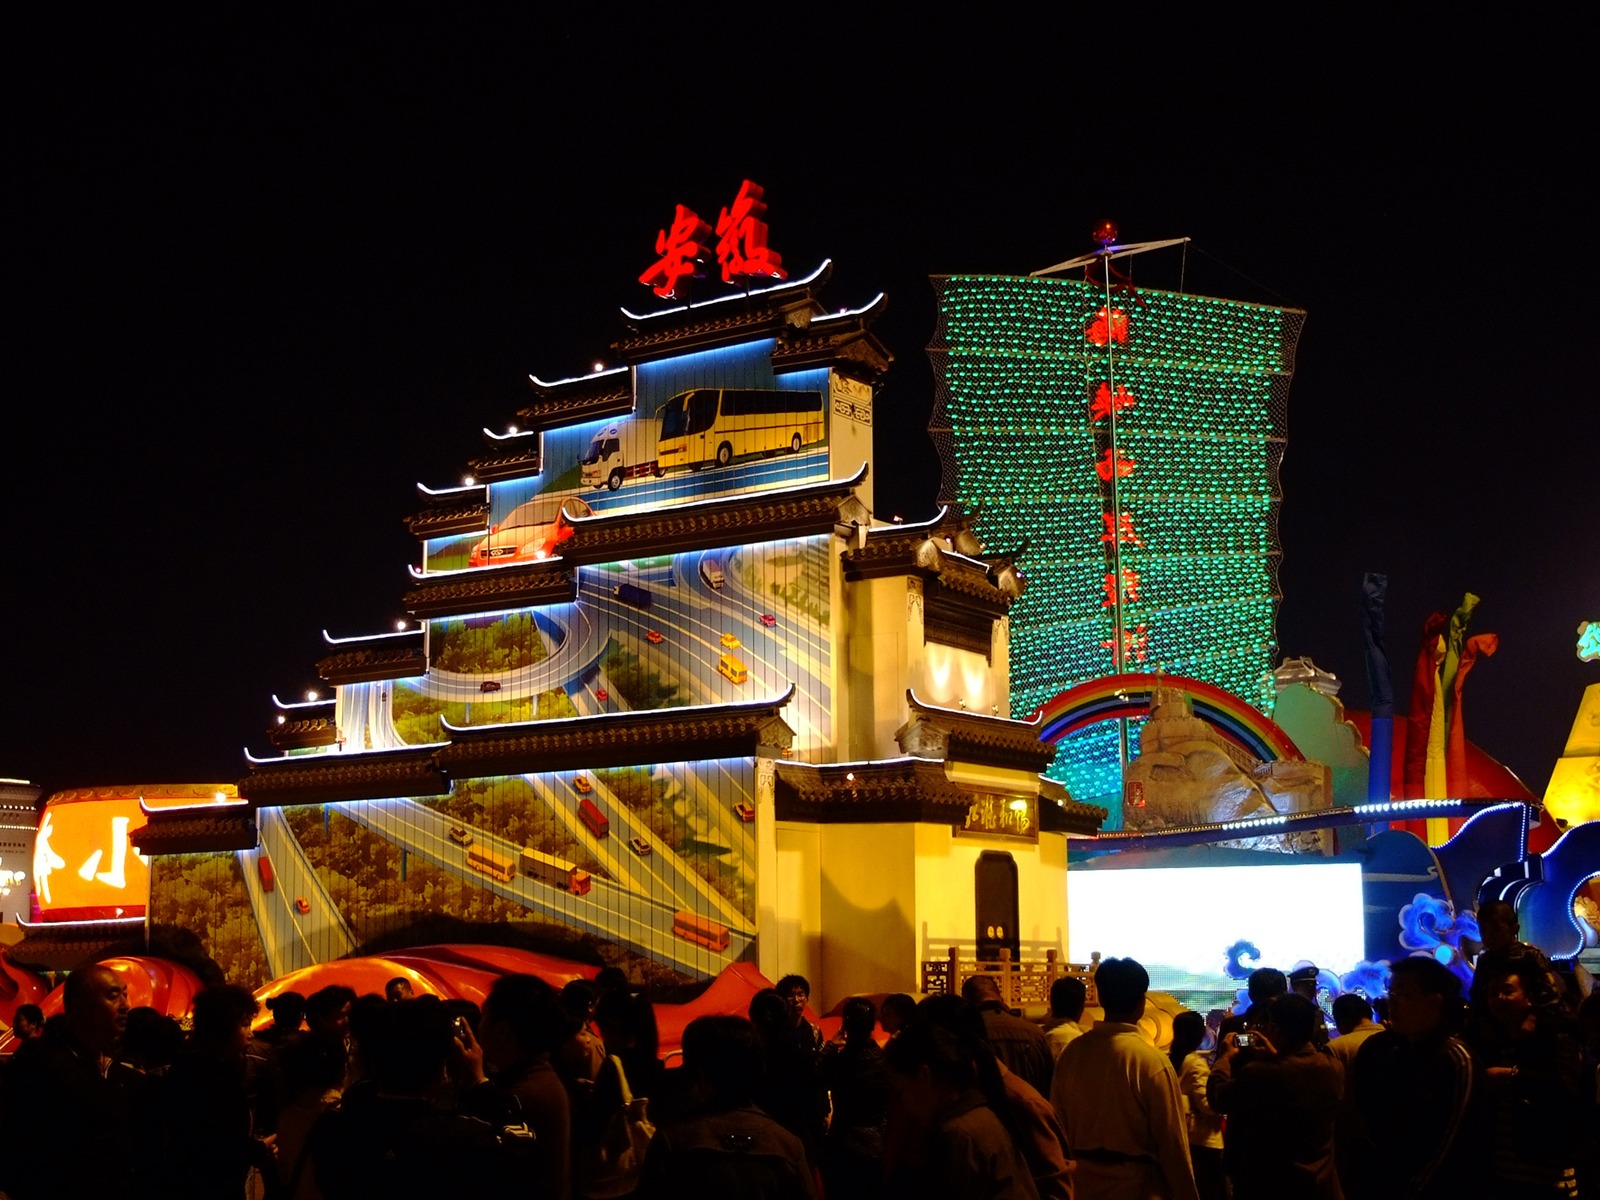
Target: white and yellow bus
[(717, 425)]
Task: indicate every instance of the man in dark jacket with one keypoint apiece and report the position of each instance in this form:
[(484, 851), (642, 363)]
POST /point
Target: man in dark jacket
[(725, 1145), (1280, 1096), (1018, 1043), (1413, 1087), (68, 1129)]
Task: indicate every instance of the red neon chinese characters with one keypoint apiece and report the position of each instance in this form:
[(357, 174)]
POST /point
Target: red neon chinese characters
[(1123, 530), (1122, 465), (742, 238), (1130, 587), (1134, 642), (1105, 402), (682, 247), (1108, 326)]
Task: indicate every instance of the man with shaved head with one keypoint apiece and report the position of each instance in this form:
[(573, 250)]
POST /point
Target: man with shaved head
[(68, 1126)]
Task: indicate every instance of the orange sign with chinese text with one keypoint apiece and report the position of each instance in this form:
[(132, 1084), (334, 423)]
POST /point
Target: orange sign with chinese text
[(84, 867)]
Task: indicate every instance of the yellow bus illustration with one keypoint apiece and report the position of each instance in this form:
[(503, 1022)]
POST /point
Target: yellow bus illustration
[(717, 425)]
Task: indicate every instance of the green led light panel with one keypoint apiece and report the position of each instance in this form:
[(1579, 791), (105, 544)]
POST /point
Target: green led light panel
[(1067, 418)]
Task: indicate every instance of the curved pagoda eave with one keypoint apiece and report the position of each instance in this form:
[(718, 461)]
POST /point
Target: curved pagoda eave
[(768, 516)]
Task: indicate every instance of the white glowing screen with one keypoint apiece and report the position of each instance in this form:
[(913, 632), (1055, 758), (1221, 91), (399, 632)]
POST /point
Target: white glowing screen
[(1182, 922)]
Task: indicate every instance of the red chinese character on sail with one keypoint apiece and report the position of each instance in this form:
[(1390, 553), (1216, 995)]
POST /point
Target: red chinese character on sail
[(1130, 587), (1109, 325), (742, 238), (1121, 465), (1105, 402), (1134, 642), (1123, 531), (682, 247)]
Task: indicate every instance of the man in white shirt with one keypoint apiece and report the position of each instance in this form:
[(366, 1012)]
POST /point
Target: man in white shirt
[(1353, 1017), (1118, 1099), (1067, 996)]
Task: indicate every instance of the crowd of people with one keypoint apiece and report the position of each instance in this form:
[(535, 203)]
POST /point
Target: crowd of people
[(563, 1093)]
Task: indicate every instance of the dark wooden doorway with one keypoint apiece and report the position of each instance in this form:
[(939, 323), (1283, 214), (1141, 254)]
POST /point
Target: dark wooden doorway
[(995, 894)]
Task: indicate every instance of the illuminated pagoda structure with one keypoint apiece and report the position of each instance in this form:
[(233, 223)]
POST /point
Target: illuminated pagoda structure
[(673, 701), (1129, 439)]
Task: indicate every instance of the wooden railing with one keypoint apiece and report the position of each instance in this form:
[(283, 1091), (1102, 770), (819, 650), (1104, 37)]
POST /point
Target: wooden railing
[(1022, 983)]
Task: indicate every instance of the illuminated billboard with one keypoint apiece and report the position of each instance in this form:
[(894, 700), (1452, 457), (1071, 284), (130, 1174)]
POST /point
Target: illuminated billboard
[(712, 424), (650, 867), (84, 867), (704, 627), (1131, 439), (1199, 931)]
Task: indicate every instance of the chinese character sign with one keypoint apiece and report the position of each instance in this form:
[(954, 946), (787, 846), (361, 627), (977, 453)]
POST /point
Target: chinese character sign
[(83, 865), (741, 246), (682, 247), (742, 239)]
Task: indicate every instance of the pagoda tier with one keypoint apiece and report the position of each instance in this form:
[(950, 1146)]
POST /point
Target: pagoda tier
[(306, 734), (330, 778), (68, 945), (621, 739), (456, 510), (510, 456), (902, 790), (369, 664), (963, 594), (813, 509), (194, 830), (807, 333), (934, 732), (593, 742), (583, 398), (525, 586)]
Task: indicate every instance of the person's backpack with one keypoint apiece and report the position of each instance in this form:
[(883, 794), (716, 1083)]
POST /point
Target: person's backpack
[(610, 1167)]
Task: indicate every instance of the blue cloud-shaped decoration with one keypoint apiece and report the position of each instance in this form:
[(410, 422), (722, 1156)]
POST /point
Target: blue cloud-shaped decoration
[(1371, 979), (1430, 926), (1236, 953)]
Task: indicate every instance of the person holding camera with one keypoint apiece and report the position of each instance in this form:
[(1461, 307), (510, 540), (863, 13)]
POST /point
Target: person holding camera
[(1280, 1094)]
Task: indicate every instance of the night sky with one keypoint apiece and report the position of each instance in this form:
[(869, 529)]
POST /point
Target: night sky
[(266, 276)]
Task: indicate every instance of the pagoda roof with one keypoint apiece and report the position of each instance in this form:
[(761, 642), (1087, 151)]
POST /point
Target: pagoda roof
[(1060, 813), (462, 593), (903, 790), (943, 548), (195, 830), (965, 590), (607, 393), (620, 739), (949, 733), (806, 332), (304, 734), (373, 664), (763, 516), (510, 456), (451, 510), (591, 742), (330, 778), (68, 945)]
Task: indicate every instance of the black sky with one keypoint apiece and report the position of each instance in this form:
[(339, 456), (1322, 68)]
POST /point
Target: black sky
[(268, 273)]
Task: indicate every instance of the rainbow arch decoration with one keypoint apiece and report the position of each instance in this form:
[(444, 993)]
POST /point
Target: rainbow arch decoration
[(1128, 695)]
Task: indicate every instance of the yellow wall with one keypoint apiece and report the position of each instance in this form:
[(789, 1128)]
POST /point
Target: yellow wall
[(874, 900), (876, 667), (1573, 795)]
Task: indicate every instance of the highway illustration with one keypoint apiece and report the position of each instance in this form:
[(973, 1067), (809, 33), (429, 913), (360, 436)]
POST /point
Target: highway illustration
[(648, 493), (292, 938), (669, 874)]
